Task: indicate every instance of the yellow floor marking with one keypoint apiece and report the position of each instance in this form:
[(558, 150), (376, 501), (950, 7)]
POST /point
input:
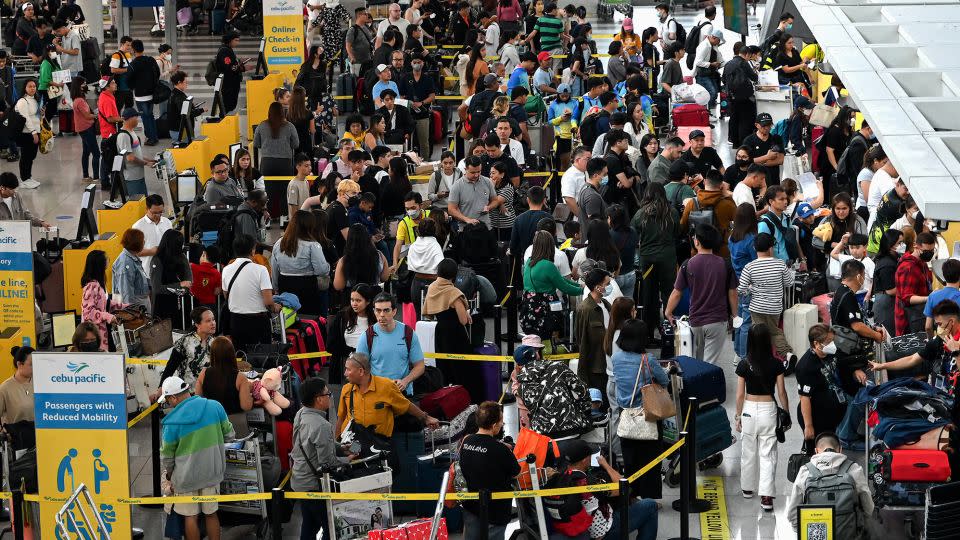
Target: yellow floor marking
[(713, 523)]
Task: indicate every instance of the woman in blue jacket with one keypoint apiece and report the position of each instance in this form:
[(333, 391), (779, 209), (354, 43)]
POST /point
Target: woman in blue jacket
[(627, 362)]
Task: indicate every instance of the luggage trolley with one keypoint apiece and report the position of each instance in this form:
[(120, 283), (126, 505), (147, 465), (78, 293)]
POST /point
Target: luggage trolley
[(352, 519), (532, 520)]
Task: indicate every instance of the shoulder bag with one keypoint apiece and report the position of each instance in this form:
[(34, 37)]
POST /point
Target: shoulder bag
[(657, 403), (784, 422), (848, 341), (632, 424)]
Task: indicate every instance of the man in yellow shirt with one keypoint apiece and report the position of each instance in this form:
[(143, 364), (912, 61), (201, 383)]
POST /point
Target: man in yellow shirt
[(373, 401), (407, 229)]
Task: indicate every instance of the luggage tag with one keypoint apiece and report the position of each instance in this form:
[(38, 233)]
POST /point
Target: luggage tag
[(556, 305)]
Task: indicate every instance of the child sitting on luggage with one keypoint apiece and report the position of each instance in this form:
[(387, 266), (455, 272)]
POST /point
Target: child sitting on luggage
[(206, 277), (597, 413)]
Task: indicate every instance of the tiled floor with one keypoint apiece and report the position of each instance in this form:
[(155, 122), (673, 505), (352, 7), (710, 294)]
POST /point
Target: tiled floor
[(58, 199)]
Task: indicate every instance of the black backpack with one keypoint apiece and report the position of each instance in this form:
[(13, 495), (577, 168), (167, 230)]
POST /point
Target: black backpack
[(681, 32), (108, 147), (15, 121), (226, 233), (692, 42), (847, 171), (467, 281), (701, 215), (479, 110), (589, 131)]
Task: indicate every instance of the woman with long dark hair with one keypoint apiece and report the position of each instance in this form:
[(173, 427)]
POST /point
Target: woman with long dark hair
[(348, 326), (622, 310), (892, 247), (277, 141), (476, 68), (600, 248), (509, 55), (541, 281), (651, 56), (28, 140), (83, 123), (312, 76), (625, 240), (95, 304), (223, 382), (649, 147), (170, 270), (633, 368), (302, 120), (873, 159), (741, 253), (657, 225), (361, 262), (580, 66), (393, 192), (842, 219), (321, 221), (373, 137), (836, 138), (509, 16), (788, 62), (297, 261), (758, 376), (245, 173)]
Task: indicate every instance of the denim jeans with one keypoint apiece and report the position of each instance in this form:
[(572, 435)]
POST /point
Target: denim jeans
[(149, 122), (627, 283), (88, 139), (642, 518), (136, 187), (472, 524), (740, 334), (708, 82)]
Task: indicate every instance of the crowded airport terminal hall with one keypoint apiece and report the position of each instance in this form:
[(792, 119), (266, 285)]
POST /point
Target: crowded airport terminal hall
[(479, 269)]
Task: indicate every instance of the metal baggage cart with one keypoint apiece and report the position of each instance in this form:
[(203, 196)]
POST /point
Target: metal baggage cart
[(531, 518), (353, 519), (243, 474)]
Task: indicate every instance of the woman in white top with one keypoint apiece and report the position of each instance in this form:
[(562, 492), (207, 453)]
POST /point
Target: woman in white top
[(477, 149), (29, 137), (636, 125), (297, 261), (412, 15), (347, 327), (509, 55), (873, 160), (423, 257), (442, 180)]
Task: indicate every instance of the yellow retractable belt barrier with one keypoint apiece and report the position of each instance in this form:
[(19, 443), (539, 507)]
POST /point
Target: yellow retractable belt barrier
[(132, 361), (146, 412)]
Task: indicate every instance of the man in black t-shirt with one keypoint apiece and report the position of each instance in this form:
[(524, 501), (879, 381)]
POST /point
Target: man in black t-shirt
[(766, 149), (622, 178), (488, 464), (495, 154), (823, 402), (701, 157), (845, 311), (339, 222)]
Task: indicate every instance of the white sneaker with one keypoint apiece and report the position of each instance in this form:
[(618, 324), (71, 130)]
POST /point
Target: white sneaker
[(30, 184)]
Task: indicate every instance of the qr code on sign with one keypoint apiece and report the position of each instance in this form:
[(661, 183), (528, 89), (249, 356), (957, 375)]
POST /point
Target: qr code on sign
[(816, 531)]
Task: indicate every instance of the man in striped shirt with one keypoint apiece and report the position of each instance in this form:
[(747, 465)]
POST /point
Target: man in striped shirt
[(550, 29), (764, 279)]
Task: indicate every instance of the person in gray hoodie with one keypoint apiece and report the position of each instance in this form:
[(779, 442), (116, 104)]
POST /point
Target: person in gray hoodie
[(192, 452), (314, 448)]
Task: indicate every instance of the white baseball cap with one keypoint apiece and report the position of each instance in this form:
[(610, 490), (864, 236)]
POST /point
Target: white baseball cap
[(171, 386)]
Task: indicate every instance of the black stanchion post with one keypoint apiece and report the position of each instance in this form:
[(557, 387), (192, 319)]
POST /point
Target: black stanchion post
[(155, 417), (276, 518), (484, 514), (16, 514), (624, 502), (498, 325), (512, 329), (683, 503), (697, 506)]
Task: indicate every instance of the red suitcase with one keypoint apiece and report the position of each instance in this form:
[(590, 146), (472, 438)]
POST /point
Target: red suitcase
[(305, 337), (436, 126), (815, 134), (823, 306), (284, 433), (66, 122), (446, 403), (915, 466), (690, 114)]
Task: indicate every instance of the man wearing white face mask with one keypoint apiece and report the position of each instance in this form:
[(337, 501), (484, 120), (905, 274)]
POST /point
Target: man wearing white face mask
[(822, 401)]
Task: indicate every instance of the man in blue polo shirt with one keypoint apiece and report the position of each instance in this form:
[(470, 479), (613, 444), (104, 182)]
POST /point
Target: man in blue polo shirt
[(951, 291), (393, 348)]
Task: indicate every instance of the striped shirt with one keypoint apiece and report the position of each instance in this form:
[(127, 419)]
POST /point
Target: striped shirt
[(764, 280), (549, 29)]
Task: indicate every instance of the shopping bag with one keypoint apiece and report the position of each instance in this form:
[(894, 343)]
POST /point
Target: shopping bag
[(657, 403), (823, 115)]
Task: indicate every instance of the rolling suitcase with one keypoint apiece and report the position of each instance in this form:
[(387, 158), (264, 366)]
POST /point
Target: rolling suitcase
[(797, 322), (701, 380), (490, 371), (436, 126), (430, 469), (65, 119), (816, 133), (724, 99), (405, 454), (690, 114), (346, 86), (807, 285), (915, 466), (822, 301), (714, 434), (446, 403)]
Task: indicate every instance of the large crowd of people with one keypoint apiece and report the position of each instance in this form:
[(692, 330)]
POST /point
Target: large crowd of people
[(648, 232)]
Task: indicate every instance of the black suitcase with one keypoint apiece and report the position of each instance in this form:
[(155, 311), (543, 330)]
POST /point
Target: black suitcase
[(807, 285), (23, 471), (346, 86)]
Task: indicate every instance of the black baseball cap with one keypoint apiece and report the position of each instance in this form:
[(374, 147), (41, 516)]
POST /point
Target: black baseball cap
[(764, 119), (696, 134)]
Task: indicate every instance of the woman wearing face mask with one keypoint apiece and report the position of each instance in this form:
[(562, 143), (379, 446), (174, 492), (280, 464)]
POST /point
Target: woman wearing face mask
[(823, 403), (892, 248), (85, 338), (167, 69), (95, 305), (509, 56), (83, 119), (735, 174), (50, 91)]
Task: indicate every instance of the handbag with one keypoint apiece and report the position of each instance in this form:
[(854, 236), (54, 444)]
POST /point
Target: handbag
[(46, 137), (156, 336), (784, 422), (632, 424), (657, 403), (796, 461), (823, 115), (848, 341), (130, 317), (53, 92)]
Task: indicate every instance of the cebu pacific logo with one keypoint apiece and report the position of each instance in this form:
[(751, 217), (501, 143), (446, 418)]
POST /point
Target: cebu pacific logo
[(77, 367)]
